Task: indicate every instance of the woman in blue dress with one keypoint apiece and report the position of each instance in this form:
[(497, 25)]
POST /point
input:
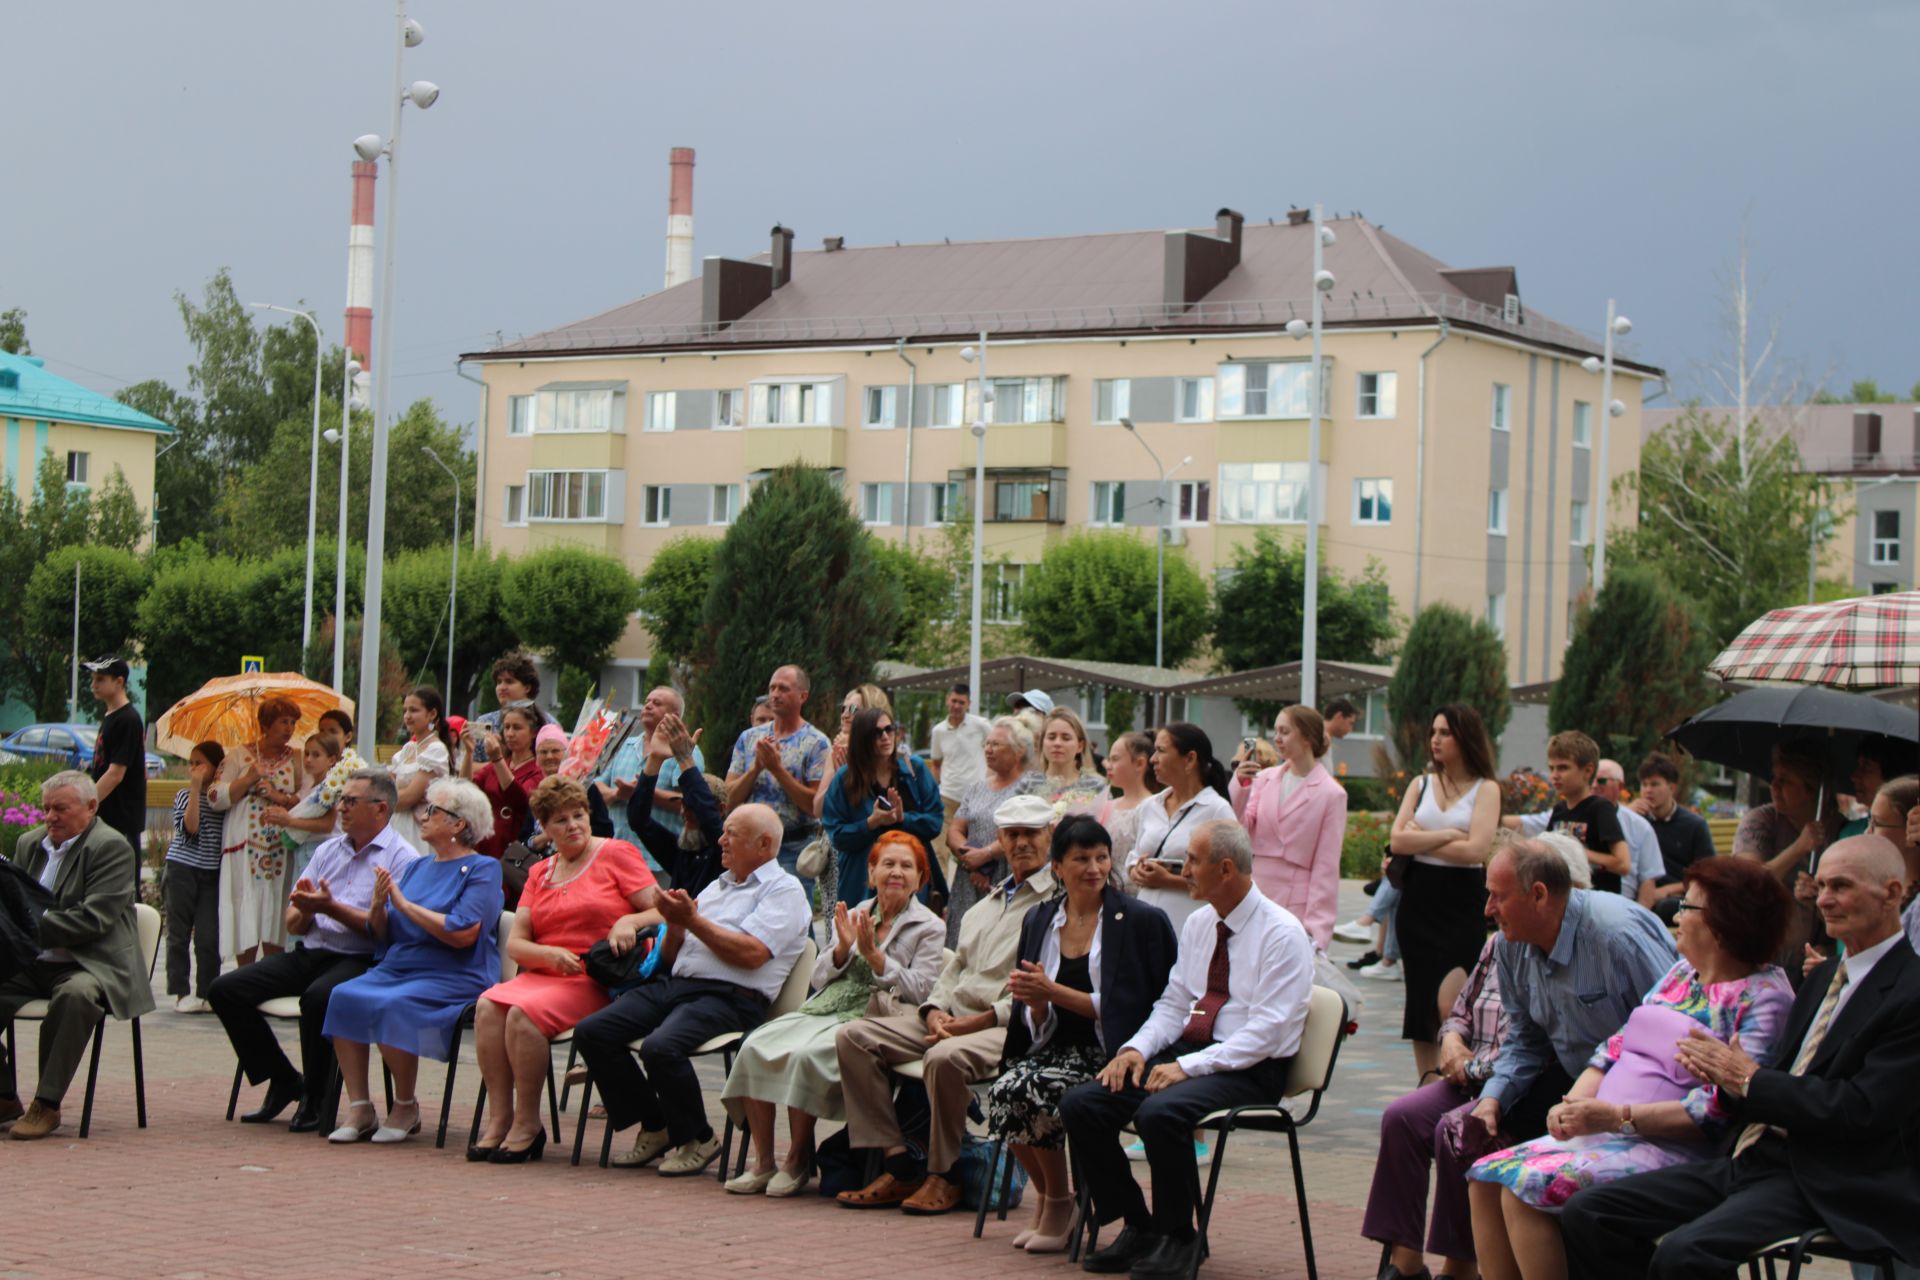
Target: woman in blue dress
[(433, 930)]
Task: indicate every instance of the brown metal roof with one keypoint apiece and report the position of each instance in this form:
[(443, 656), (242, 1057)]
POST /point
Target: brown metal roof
[(1061, 285)]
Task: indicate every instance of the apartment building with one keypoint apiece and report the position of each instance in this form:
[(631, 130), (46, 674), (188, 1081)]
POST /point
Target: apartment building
[(92, 435), (1459, 441)]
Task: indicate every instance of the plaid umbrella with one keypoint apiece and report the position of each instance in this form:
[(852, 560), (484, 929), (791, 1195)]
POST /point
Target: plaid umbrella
[(1864, 643)]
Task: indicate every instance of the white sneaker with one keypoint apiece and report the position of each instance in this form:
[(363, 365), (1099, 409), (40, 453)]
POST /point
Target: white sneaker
[(190, 1004), (1353, 931), (1385, 971), (1137, 1151)]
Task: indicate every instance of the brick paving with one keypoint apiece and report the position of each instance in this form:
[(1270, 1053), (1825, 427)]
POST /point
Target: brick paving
[(196, 1198)]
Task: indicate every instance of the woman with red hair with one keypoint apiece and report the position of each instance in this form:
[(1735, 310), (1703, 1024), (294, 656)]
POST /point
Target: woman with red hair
[(884, 960)]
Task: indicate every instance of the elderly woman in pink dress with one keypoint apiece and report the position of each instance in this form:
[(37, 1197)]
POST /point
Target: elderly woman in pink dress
[(1296, 815)]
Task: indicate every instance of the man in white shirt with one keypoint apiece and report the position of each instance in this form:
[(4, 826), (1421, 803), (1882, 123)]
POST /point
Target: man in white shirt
[(1221, 1035), (726, 956), (959, 757)]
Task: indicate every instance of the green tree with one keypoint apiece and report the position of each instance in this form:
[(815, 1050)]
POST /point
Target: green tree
[(13, 332), (1448, 657), (116, 519), (185, 492), (795, 580), (1726, 518), (1092, 596), (194, 622), (673, 595), (111, 583), (1635, 666), (571, 604), (926, 593), (54, 516), (943, 634), (414, 612)]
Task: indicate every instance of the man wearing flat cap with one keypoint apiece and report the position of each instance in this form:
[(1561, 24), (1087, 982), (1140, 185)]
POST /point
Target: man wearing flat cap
[(119, 766), (958, 1033)]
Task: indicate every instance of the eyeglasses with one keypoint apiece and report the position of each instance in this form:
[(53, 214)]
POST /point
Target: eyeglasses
[(1688, 906), (884, 728), (445, 812)]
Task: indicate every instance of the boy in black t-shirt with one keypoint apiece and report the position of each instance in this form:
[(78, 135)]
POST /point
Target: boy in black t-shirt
[(119, 754), (1572, 759)]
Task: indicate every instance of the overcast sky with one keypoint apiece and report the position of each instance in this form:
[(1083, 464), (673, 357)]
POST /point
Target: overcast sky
[(1602, 150)]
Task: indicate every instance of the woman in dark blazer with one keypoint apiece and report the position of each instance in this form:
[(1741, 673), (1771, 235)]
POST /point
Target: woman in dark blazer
[(1094, 942)]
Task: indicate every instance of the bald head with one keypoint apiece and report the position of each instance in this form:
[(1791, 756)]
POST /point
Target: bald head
[(1861, 880), (749, 839), (1874, 857)]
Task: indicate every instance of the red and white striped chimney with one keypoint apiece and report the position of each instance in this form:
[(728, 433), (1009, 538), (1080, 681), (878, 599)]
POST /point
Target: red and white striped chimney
[(680, 217), (360, 264)]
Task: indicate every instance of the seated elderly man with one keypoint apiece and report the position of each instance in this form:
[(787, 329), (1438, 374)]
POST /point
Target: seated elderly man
[(959, 1033), (90, 962), (1574, 964), (1221, 1035), (725, 957), (1830, 1129), (327, 916)]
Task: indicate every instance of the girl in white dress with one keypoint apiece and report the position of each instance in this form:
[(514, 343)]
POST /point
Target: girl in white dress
[(426, 756), (253, 875)]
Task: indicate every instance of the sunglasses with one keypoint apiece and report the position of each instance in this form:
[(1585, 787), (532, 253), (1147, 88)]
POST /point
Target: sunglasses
[(445, 812), (887, 729)]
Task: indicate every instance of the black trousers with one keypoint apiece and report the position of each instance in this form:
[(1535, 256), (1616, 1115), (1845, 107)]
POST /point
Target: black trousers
[(307, 972), (677, 1016), (1711, 1213), (193, 915), (1094, 1114)]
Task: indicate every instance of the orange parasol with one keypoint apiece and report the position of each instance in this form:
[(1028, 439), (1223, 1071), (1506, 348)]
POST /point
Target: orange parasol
[(226, 710)]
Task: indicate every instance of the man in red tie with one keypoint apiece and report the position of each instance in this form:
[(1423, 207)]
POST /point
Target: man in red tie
[(1221, 1035)]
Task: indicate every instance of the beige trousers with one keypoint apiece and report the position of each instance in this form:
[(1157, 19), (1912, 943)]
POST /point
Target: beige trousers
[(869, 1049)]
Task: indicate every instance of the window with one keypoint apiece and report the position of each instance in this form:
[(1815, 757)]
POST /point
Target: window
[(948, 405), (1000, 591), (1373, 502), (656, 505), (1377, 396), (1885, 588), (1191, 502), (575, 409), (1112, 399), (1373, 721), (566, 495), (1267, 389), (1497, 613), (1023, 497), (1578, 524), (1109, 503), (77, 466), (726, 409), (1496, 511), (516, 505), (1096, 704), (877, 503), (1886, 534), (1510, 310), (1195, 402), (881, 407), (946, 502), (1502, 407), (1176, 707), (519, 415), (1023, 400), (1582, 425), (726, 504), (1263, 493), (790, 404), (660, 407)]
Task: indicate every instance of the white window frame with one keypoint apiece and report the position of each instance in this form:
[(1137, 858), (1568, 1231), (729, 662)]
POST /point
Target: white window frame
[(1579, 524), (1112, 401), (723, 507), (1368, 494), (1497, 612), (656, 506), (1502, 406), (1373, 723), (1236, 493), (1234, 395), (1497, 511), (79, 464), (556, 412), (877, 503), (662, 409), (551, 491), (726, 409), (884, 399), (1885, 548), (791, 402), (942, 495), (947, 405), (1095, 701), (513, 507), (1191, 496), (1000, 585), (1107, 505), (1019, 401), (520, 415), (1582, 424), (1385, 395), (1203, 399)]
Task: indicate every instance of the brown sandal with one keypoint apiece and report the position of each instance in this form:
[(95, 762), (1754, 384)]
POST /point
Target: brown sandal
[(884, 1192)]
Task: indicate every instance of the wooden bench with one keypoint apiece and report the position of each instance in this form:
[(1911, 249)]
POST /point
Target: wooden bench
[(1723, 829)]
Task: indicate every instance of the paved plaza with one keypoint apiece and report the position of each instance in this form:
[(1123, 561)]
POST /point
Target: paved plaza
[(195, 1197)]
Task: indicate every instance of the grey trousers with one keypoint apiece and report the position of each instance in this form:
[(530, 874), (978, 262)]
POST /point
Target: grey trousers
[(75, 1006)]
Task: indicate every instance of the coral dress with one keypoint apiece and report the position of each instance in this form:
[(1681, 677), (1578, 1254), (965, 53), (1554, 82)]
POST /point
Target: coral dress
[(573, 915)]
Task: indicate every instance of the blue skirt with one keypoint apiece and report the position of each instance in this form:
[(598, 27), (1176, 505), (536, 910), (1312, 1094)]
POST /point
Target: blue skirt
[(414, 1010)]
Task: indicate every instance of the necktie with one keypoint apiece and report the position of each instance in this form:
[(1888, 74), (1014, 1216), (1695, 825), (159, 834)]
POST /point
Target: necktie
[(1808, 1047), (1199, 1028)]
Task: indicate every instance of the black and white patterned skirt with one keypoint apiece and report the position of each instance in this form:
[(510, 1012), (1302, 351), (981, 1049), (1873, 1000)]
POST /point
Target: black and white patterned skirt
[(1023, 1105)]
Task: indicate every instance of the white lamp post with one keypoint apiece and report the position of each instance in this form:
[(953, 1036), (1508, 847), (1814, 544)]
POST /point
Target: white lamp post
[(353, 395), (1617, 326), (422, 94), (1310, 604), (1160, 558), (313, 471), (453, 583), (972, 354)]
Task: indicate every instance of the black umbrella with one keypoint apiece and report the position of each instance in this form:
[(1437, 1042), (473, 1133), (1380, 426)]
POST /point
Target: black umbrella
[(1742, 732)]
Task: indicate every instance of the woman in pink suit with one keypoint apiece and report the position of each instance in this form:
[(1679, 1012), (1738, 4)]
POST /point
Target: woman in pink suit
[(1296, 814)]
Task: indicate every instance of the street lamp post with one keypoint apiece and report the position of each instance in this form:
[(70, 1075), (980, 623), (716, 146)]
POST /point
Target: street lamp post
[(979, 506), (1160, 557), (1617, 326), (422, 93), (313, 472), (1310, 604), (351, 398), (453, 583)]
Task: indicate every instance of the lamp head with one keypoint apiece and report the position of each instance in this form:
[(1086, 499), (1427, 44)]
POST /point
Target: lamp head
[(1127, 423), (368, 146), (362, 380), (1617, 409), (413, 34), (1326, 235), (423, 93), (1297, 328), (353, 369), (331, 435), (969, 354), (1591, 364), (1323, 281), (1622, 326)]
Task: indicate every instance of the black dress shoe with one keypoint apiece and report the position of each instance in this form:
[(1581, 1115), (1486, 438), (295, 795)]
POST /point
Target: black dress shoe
[(280, 1096), (477, 1154), (1118, 1258), (306, 1119), (1372, 957), (503, 1154), (1170, 1260)]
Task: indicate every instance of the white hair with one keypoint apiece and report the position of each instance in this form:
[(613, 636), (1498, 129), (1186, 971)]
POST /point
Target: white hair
[(71, 780), (1573, 853), (466, 802)]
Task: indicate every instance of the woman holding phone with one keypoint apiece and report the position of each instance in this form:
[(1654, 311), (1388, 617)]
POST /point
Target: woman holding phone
[(1195, 793), (878, 789)]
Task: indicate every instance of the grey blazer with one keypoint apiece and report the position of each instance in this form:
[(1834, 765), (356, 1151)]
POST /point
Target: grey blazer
[(913, 951), (92, 912)]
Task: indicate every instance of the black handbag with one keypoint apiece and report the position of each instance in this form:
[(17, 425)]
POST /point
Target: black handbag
[(1397, 863), (623, 973)]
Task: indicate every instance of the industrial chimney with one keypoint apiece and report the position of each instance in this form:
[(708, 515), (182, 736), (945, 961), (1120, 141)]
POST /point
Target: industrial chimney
[(360, 263), (680, 217)]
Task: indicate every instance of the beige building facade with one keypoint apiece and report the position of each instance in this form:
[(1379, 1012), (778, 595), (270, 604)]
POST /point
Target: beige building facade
[(90, 435), (1459, 441)]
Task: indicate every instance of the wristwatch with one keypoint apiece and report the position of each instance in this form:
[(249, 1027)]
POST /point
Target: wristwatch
[(1626, 1120)]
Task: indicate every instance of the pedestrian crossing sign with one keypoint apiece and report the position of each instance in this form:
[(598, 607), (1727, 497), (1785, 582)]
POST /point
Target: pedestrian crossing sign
[(252, 664)]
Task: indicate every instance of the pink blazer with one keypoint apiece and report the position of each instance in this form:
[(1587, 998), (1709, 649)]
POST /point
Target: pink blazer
[(1296, 845)]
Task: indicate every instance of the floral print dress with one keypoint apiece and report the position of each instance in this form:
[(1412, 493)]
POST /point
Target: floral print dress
[(253, 874), (1546, 1172)]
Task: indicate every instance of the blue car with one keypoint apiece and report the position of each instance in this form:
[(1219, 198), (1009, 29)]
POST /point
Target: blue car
[(70, 744)]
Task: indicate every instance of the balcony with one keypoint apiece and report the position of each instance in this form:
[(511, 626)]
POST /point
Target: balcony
[(811, 446), (1018, 495), (1027, 444)]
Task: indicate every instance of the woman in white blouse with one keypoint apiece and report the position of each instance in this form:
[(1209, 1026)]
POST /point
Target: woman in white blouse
[(1130, 771), (1195, 792), (426, 755)]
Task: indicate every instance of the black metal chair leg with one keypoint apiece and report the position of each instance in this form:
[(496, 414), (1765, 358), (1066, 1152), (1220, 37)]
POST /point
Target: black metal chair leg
[(1205, 1206), (446, 1091), (139, 1076), (1006, 1184), (553, 1101), (233, 1098), (566, 1087), (386, 1078), (1300, 1193), (986, 1191), (93, 1077), (479, 1111), (580, 1121)]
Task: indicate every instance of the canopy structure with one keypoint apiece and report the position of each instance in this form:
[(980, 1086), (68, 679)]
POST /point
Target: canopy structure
[(1263, 684), (1282, 683)]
